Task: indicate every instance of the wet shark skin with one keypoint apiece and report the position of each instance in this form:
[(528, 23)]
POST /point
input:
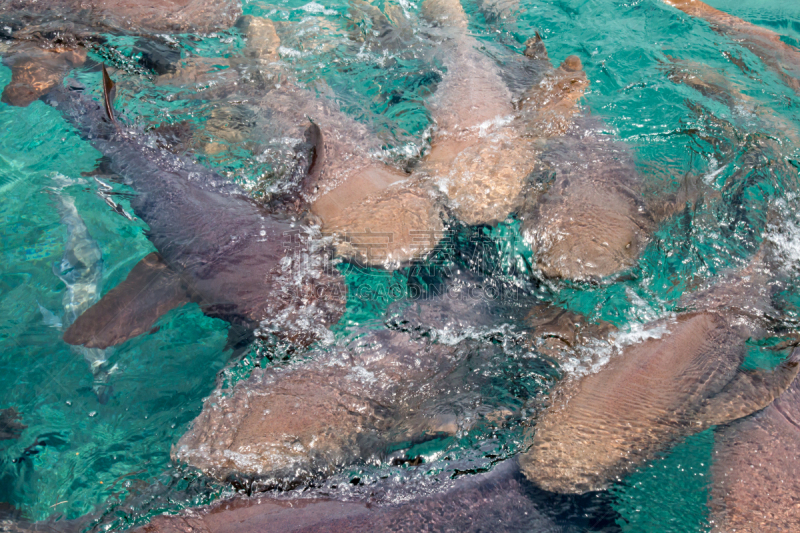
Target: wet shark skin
[(483, 168), (485, 145), (755, 472), (233, 255), (642, 401), (766, 44), (284, 424), (681, 379), (405, 221), (118, 16), (35, 71), (470, 102), (350, 192), (498, 500), (343, 404), (592, 221), (549, 107), (151, 286)]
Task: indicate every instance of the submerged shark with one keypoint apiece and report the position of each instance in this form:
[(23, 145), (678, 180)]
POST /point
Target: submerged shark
[(486, 141), (216, 247), (498, 500), (81, 270), (494, 155), (10, 425), (755, 469), (50, 38), (683, 378), (778, 56), (284, 425), (346, 402)]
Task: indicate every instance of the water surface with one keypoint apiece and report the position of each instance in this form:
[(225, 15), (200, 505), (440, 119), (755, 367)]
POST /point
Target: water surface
[(79, 457)]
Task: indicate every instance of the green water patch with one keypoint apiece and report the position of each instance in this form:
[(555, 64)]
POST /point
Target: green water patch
[(670, 493), (78, 456)]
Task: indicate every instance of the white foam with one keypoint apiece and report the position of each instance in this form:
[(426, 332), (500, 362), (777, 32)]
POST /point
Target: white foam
[(319, 9), (786, 237), (488, 126), (290, 52)]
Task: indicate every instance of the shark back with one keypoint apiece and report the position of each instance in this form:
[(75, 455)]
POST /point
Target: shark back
[(215, 245)]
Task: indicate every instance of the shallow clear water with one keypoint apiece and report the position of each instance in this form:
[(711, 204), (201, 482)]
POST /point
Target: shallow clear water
[(79, 457)]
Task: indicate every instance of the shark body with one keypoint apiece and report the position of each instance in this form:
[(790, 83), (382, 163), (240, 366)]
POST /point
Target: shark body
[(215, 246)]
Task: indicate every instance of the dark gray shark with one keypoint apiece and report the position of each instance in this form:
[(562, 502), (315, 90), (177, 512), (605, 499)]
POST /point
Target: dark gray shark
[(10, 426), (498, 500), (215, 246)]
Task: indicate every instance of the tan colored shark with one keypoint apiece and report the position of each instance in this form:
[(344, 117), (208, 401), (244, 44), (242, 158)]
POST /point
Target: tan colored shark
[(484, 145), (755, 469), (287, 424), (682, 378), (591, 221), (782, 58), (343, 404), (50, 36)]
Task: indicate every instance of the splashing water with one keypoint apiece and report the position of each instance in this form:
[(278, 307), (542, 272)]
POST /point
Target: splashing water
[(110, 463)]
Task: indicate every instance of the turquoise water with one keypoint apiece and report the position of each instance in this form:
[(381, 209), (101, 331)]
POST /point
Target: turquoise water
[(111, 461)]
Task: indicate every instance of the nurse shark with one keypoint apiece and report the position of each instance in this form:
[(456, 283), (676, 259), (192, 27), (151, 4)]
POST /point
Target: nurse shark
[(344, 403), (216, 247), (755, 472), (50, 38), (81, 270), (486, 143), (683, 378), (494, 155), (778, 56)]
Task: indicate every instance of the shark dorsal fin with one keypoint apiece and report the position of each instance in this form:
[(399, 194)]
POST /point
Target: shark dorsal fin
[(313, 137), (535, 49), (109, 92)]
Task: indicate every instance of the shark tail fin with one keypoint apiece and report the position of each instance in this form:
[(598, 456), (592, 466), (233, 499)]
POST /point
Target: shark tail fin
[(132, 307), (109, 93), (749, 392)]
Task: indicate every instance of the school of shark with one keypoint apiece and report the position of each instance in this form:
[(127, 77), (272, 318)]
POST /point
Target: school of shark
[(280, 267)]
